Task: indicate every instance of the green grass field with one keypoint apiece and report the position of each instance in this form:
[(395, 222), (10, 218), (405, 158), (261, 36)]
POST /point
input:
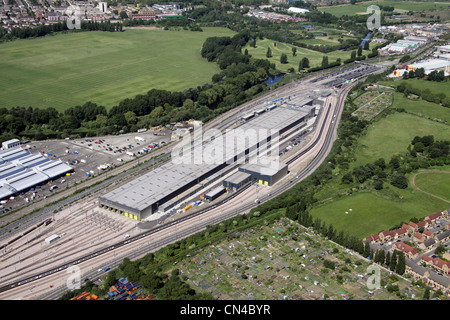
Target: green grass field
[(437, 183), (422, 84), (400, 7), (314, 57), (65, 70), (393, 134), (377, 210), (373, 211), (422, 108)]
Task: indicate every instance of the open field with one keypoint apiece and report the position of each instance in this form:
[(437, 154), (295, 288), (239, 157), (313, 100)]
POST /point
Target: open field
[(422, 84), (434, 182), (375, 211), (314, 57), (393, 134), (65, 70), (400, 7), (422, 108)]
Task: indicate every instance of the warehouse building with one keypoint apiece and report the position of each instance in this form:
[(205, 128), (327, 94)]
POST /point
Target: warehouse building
[(237, 180), (10, 144), (267, 176), (155, 191), (215, 193), (21, 170)]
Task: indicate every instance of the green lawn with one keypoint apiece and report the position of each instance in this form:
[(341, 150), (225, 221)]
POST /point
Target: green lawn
[(422, 108), (437, 183), (400, 7), (376, 211), (373, 211), (422, 84), (314, 57), (393, 134), (65, 70)]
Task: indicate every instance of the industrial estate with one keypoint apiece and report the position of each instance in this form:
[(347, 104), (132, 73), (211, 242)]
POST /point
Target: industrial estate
[(286, 178)]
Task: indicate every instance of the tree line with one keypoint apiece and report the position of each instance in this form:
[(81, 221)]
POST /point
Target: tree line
[(241, 77), (43, 30)]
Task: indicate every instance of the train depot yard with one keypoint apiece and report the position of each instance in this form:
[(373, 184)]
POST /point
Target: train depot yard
[(89, 230)]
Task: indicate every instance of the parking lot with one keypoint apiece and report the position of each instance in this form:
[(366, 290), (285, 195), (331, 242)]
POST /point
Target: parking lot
[(88, 157)]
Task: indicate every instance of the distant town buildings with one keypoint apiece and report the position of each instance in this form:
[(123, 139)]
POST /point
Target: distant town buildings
[(24, 14), (438, 61), (270, 13)]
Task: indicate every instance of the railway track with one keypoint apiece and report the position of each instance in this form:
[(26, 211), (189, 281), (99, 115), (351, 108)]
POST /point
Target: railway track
[(315, 162)]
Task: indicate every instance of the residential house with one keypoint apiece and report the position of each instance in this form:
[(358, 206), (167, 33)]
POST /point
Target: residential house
[(432, 218), (399, 233), (443, 236), (423, 224), (429, 277), (437, 263), (409, 251), (427, 244), (413, 225), (418, 237), (373, 238), (427, 234), (386, 235)]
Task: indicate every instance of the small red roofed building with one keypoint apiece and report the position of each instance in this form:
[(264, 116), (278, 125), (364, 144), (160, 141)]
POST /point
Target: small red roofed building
[(418, 237), (373, 238), (413, 225), (409, 251), (386, 235), (399, 233), (427, 234), (432, 218), (437, 263)]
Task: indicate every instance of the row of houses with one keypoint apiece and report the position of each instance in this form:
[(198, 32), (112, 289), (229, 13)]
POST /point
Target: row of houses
[(433, 271), (414, 229)]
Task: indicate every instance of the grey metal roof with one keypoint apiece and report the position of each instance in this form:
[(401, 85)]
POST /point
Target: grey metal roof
[(54, 168), (12, 154), (443, 235), (214, 191), (267, 171), (148, 189), (25, 180), (238, 177), (24, 170)]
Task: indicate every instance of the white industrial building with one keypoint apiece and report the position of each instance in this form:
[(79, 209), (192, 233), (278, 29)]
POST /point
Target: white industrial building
[(443, 49), (298, 10), (21, 170), (10, 144), (428, 65)]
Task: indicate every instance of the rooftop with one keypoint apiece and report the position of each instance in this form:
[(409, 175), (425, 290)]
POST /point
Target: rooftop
[(153, 186)]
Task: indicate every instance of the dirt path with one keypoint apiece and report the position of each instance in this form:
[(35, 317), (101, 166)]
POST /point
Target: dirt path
[(413, 183)]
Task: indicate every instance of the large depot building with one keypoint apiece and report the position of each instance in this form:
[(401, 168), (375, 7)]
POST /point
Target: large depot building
[(164, 187)]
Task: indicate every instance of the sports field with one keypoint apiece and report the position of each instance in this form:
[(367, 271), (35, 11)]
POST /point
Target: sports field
[(400, 7), (65, 70)]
